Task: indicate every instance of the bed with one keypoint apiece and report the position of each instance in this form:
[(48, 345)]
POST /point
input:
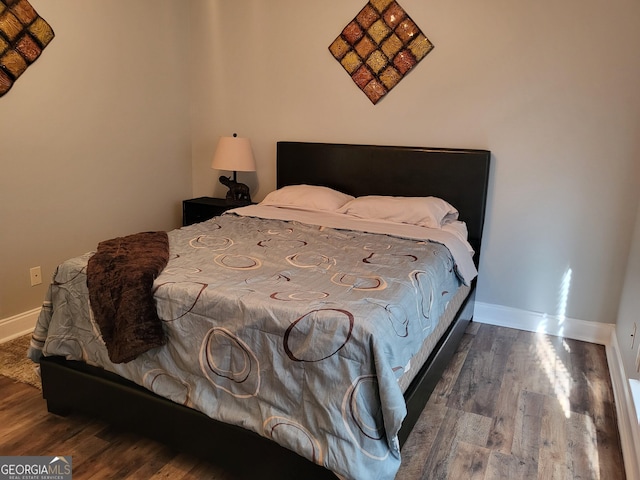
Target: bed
[(73, 381)]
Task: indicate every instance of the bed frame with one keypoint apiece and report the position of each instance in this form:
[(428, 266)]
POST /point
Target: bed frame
[(459, 176)]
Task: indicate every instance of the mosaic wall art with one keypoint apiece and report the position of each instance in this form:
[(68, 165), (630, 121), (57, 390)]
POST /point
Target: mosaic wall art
[(380, 47), (23, 36)]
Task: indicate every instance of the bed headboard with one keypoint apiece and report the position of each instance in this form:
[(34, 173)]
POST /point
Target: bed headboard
[(459, 176)]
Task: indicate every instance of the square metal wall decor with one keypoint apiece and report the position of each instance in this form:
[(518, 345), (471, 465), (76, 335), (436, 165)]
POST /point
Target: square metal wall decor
[(380, 47), (23, 36)]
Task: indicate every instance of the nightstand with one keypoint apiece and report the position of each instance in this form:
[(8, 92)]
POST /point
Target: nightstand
[(203, 208)]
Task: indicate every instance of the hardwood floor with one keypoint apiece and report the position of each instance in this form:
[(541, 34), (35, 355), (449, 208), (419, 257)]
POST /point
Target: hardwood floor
[(519, 405), (512, 405)]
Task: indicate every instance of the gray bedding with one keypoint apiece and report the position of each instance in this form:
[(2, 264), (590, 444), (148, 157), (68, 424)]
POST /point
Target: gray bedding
[(297, 332)]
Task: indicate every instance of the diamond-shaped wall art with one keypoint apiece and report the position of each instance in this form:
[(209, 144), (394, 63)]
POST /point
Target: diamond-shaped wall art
[(380, 47), (23, 36)]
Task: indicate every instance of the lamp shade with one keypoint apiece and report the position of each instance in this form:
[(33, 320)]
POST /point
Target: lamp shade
[(234, 154)]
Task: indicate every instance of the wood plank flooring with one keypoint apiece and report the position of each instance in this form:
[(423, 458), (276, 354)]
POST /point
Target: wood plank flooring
[(512, 405)]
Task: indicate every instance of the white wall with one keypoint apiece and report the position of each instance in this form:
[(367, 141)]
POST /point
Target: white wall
[(94, 137), (622, 357), (549, 87), (629, 313)]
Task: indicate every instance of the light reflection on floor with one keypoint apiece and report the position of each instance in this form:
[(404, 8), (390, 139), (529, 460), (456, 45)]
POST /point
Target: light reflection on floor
[(580, 425)]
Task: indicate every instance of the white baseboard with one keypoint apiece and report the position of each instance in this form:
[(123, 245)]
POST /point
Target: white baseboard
[(592, 332), (600, 333), (18, 325)]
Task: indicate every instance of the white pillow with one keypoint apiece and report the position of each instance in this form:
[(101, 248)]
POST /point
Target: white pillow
[(431, 212), (307, 197)]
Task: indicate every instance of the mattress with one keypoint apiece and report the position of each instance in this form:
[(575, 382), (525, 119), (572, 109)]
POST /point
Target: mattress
[(412, 368), (301, 332)]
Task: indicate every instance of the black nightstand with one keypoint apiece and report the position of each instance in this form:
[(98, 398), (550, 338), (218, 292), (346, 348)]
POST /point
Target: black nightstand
[(203, 208)]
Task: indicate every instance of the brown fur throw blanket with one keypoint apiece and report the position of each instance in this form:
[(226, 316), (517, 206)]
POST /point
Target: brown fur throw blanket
[(120, 279)]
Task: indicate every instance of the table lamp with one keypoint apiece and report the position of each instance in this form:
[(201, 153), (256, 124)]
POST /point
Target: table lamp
[(234, 154)]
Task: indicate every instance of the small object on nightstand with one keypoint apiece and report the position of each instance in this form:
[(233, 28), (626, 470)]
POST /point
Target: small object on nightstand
[(238, 192), (203, 208)]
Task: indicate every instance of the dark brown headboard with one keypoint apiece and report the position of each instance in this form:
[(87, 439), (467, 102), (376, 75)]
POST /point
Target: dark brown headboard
[(459, 176)]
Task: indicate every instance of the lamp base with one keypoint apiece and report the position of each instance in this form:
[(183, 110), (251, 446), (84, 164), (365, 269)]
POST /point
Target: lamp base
[(238, 193)]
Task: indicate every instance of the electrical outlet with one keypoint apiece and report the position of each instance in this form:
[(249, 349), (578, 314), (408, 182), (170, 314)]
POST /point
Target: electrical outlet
[(36, 276)]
